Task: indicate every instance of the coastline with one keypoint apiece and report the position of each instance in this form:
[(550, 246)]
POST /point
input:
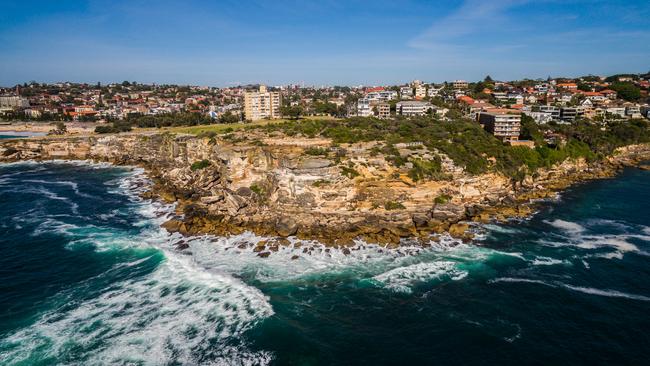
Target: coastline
[(219, 199)]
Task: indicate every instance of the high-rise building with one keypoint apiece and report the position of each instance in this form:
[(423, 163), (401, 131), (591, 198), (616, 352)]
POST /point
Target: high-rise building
[(262, 104)]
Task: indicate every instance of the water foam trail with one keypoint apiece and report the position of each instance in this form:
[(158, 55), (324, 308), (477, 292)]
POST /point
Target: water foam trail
[(585, 290), (579, 236), (181, 312), (402, 279)]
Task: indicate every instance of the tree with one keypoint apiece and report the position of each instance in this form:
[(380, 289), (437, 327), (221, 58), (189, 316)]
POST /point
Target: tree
[(292, 112), (228, 117), (626, 91)]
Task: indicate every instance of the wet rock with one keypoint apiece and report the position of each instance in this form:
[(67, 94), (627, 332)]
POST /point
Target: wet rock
[(263, 254)]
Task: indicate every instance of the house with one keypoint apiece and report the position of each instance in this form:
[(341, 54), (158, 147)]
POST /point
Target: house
[(364, 109), (540, 118), (504, 124), (610, 94), (406, 92), (413, 108), (570, 114), (568, 86), (433, 92), (382, 95), (553, 110), (632, 110), (616, 111)]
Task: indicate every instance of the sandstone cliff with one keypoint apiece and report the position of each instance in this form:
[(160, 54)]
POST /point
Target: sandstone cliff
[(275, 186)]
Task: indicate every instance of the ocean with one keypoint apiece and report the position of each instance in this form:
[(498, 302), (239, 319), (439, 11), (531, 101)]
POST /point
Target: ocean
[(88, 277)]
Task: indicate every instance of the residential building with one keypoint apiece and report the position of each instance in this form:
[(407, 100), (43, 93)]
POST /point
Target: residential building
[(13, 101), (553, 110), (504, 124), (433, 92), (616, 111), (540, 118), (633, 111), (420, 91), (406, 92), (262, 104), (364, 109), (413, 108), (460, 84), (383, 110), (570, 114), (382, 95)]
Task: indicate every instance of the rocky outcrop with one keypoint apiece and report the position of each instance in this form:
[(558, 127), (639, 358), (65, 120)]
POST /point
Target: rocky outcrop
[(276, 189)]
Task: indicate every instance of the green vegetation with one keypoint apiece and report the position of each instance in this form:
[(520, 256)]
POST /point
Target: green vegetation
[(201, 164), (257, 189), (425, 169), (316, 151), (349, 172), (320, 183), (115, 127), (390, 206), (442, 199), (626, 90), (469, 146)]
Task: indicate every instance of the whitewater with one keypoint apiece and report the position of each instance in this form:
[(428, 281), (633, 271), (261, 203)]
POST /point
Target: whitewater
[(153, 298)]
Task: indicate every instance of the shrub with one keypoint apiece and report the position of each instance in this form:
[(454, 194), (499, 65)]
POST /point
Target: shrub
[(442, 199), (201, 164), (315, 151), (425, 169), (349, 172), (391, 205), (320, 182)]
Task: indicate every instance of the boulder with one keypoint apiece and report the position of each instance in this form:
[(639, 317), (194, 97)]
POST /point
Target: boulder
[(286, 226)]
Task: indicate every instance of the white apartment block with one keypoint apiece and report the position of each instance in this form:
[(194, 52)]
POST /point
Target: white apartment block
[(262, 104), (420, 91), (13, 101), (383, 95), (413, 108), (406, 92)]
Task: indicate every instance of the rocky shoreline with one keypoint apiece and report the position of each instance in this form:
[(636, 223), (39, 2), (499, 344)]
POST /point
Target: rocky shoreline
[(280, 188)]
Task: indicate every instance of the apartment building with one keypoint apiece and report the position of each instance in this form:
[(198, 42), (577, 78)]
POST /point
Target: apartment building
[(13, 101), (570, 114), (413, 108), (406, 92), (262, 104), (504, 124), (383, 110), (460, 84), (382, 95), (420, 91), (364, 109), (553, 110)]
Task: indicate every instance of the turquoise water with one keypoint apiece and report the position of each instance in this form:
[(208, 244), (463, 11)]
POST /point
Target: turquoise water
[(88, 277)]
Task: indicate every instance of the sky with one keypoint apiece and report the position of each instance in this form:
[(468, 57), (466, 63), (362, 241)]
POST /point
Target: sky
[(325, 42)]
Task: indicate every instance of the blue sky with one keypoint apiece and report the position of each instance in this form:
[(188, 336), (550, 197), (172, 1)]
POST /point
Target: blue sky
[(326, 42)]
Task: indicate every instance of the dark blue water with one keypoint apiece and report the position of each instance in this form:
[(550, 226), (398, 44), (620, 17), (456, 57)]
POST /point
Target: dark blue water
[(88, 277)]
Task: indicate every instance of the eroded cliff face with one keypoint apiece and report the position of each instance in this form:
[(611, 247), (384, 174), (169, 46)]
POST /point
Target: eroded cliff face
[(274, 187)]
